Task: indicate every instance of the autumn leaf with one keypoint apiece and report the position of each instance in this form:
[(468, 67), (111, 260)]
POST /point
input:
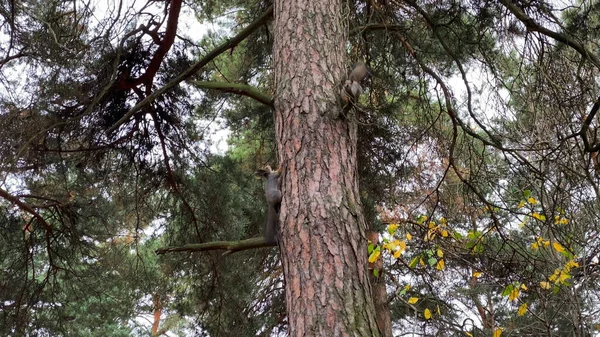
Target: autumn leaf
[(427, 314), (476, 274), (521, 204), (408, 236), (440, 265), (498, 332), (545, 285), (374, 256), (571, 264), (539, 216), (514, 293), (523, 286), (522, 309), (444, 233), (532, 201), (413, 300), (558, 247), (440, 253)]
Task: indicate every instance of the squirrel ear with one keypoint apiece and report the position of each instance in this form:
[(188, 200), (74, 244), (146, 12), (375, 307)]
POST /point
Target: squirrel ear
[(264, 172)]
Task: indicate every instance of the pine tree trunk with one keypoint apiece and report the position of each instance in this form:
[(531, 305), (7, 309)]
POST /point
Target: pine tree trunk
[(323, 246)]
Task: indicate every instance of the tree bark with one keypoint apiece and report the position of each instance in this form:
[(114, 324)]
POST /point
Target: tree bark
[(323, 243)]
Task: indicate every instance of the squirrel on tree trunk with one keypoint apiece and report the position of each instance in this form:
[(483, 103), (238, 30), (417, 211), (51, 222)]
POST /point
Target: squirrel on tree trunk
[(274, 196)]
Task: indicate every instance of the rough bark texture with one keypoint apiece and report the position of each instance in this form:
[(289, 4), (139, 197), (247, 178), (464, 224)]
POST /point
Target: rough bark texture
[(323, 243)]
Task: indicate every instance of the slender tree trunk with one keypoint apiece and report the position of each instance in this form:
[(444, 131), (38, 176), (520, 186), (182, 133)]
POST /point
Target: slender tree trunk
[(323, 246), (380, 296)]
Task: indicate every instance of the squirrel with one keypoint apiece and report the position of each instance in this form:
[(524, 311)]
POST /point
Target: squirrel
[(274, 196), (352, 88)]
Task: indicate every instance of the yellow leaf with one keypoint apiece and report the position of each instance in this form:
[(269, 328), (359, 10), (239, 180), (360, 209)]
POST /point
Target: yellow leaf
[(558, 247), (440, 253), (545, 285), (431, 224), (514, 294), (546, 243), (413, 300), (407, 287), (444, 233), (524, 287), (421, 262), (563, 277), (538, 216), (398, 253), (556, 219), (571, 264), (535, 246), (408, 236), (564, 221), (476, 273), (531, 200), (498, 332), (392, 228), (427, 314), (439, 311), (521, 204), (374, 256), (522, 309), (468, 334), (391, 246), (440, 265)]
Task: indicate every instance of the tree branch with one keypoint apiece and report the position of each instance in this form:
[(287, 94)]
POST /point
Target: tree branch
[(379, 26), (535, 27), (231, 43), (25, 207), (165, 44), (229, 246), (237, 88)]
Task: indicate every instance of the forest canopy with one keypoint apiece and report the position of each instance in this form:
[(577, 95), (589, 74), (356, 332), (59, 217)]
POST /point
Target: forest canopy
[(476, 145)]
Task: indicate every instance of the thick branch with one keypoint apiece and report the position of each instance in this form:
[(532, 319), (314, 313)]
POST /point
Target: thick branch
[(165, 44), (231, 43), (239, 89), (229, 246)]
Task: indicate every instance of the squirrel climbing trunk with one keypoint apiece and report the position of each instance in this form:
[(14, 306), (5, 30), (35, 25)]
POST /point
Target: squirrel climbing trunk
[(274, 196)]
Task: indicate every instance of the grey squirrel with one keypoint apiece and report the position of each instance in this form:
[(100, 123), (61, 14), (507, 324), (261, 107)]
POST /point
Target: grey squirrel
[(273, 193), (352, 88)]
